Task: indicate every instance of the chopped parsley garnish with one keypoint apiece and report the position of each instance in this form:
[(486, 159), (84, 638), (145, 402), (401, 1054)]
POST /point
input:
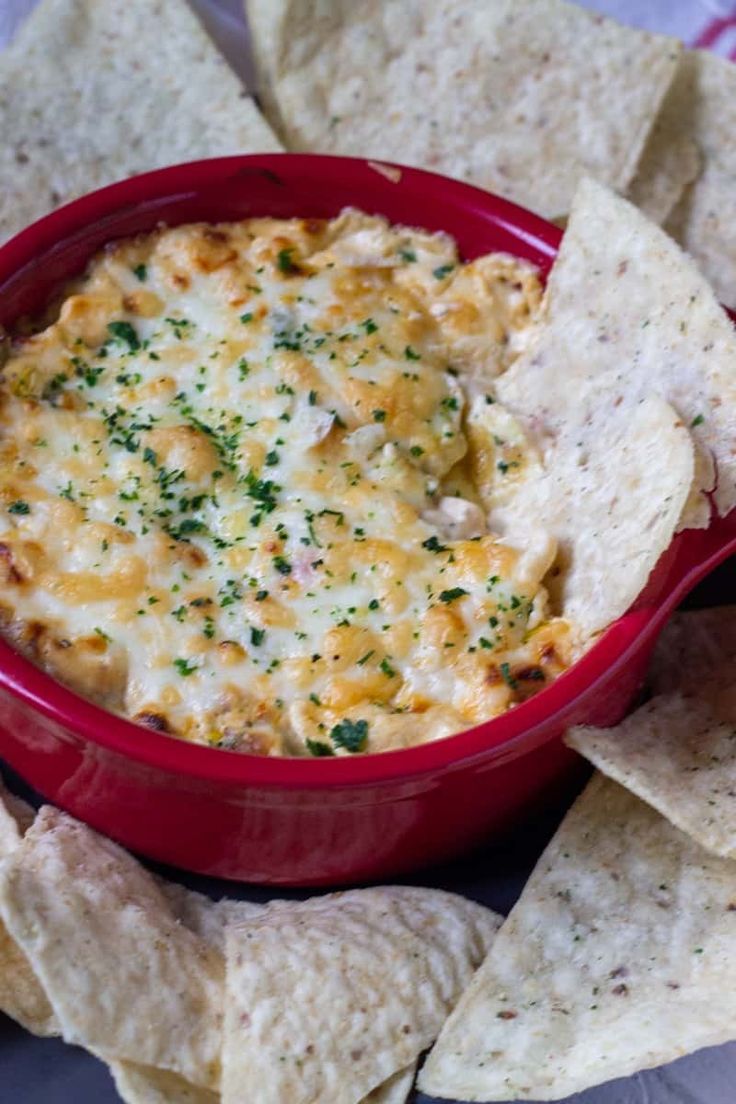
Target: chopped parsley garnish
[(450, 402), (318, 748), (19, 507), (284, 261), (507, 677), (185, 667), (411, 354), (351, 735), (281, 565), (452, 594), (432, 544), (416, 450), (261, 595), (180, 326), (124, 333), (379, 415), (441, 271), (697, 420), (247, 317), (312, 398), (369, 326), (257, 636), (272, 458), (387, 669), (84, 371), (185, 528), (364, 659), (374, 604), (140, 272), (408, 255), (262, 491)]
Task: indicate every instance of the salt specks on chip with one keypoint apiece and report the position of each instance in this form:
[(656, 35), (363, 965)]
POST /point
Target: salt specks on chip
[(125, 978), (698, 113), (628, 315), (610, 490), (329, 998), (484, 90), (93, 92), (678, 751), (618, 956)]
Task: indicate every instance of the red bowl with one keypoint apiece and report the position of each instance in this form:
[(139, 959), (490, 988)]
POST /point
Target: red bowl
[(295, 821)]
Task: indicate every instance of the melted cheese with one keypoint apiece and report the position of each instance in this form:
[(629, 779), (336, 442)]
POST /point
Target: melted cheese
[(236, 501)]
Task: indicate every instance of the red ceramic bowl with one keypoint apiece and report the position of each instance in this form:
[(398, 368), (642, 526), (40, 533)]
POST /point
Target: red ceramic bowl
[(318, 822)]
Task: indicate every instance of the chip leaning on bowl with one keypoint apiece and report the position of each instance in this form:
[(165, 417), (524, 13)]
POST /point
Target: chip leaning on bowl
[(238, 499)]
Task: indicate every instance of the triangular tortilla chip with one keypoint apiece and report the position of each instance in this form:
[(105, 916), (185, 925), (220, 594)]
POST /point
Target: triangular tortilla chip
[(21, 996), (671, 159), (704, 223), (618, 956), (125, 978), (699, 110), (93, 92), (396, 1090), (678, 751), (628, 315), (328, 998), (485, 90), (610, 490), (146, 1085), (691, 649)]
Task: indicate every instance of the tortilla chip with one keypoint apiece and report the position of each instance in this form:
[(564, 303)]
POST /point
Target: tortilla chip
[(206, 918), (146, 1085), (94, 92), (611, 491), (671, 159), (484, 90), (21, 996), (692, 649), (678, 752), (396, 1090), (328, 998), (10, 833), (700, 111), (618, 956), (705, 225), (627, 315), (103, 941)]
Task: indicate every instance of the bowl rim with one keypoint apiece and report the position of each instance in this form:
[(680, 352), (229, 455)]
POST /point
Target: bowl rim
[(504, 737)]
